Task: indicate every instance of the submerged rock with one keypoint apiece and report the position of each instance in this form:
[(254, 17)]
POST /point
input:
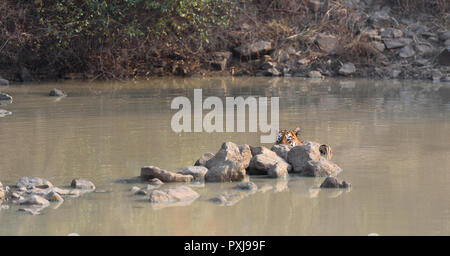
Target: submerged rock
[(228, 198), (246, 186), (34, 182), (203, 159), (173, 195), (82, 184), (150, 172), (57, 93), (333, 182), (198, 172)]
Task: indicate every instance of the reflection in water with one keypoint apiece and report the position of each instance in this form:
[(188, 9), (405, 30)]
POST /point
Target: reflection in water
[(391, 139)]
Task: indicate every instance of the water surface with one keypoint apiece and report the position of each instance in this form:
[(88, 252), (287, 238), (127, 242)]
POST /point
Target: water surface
[(390, 137)]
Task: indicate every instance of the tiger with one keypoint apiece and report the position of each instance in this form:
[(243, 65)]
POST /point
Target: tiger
[(289, 137)]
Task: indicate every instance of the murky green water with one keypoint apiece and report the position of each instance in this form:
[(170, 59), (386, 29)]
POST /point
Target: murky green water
[(391, 138)]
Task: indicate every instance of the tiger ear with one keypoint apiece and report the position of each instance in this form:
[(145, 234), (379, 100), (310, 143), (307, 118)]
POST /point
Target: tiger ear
[(298, 130)]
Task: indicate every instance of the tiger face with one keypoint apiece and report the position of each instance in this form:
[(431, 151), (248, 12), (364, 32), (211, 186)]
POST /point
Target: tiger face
[(326, 151), (289, 137)]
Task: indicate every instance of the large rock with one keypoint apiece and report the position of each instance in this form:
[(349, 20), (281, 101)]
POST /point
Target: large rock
[(327, 43), (198, 172), (150, 172), (229, 163), (203, 159), (320, 168), (82, 184), (5, 97), (34, 200), (282, 150), (54, 197), (333, 182), (444, 57), (4, 82), (173, 195), (261, 150), (246, 186), (254, 49), (347, 69), (299, 156), (34, 182), (262, 163), (397, 42)]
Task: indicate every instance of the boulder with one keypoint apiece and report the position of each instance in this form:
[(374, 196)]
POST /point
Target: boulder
[(327, 43), (198, 172), (138, 191), (173, 195), (407, 52), (150, 172), (277, 171), (34, 200), (54, 197), (320, 168), (299, 156), (229, 163), (4, 82), (82, 184), (396, 42), (33, 182), (203, 159), (333, 182), (57, 93), (444, 57), (281, 150), (347, 69), (246, 186), (254, 49), (261, 150), (262, 163), (156, 182)]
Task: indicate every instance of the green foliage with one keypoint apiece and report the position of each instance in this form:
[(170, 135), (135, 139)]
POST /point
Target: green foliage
[(128, 19)]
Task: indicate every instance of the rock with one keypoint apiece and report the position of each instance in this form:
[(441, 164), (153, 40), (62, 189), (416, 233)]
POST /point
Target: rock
[(378, 46), (32, 211), (397, 42), (203, 159), (381, 19), (82, 184), (138, 191), (281, 150), (54, 197), (57, 93), (303, 61), (280, 55), (34, 200), (327, 43), (156, 182), (150, 172), (272, 72), (254, 49), (246, 186), (173, 195), (444, 57), (347, 69), (261, 150), (134, 189), (391, 33), (299, 156), (220, 60), (16, 196), (5, 97), (34, 182), (4, 82), (445, 36), (333, 182), (424, 49), (394, 73), (371, 34), (447, 43), (407, 52), (315, 74), (435, 75), (198, 172), (262, 163), (228, 164), (320, 168), (228, 198)]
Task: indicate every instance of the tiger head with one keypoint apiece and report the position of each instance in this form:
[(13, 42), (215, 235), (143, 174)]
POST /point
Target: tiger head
[(326, 151), (289, 137)]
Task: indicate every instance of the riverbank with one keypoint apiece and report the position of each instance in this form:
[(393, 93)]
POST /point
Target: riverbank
[(364, 39)]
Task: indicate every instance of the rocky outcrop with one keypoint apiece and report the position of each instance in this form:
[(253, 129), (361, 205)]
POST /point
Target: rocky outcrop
[(150, 172), (173, 195), (333, 182), (229, 163), (198, 172)]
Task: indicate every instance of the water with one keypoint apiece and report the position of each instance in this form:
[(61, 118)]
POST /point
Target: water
[(391, 138)]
